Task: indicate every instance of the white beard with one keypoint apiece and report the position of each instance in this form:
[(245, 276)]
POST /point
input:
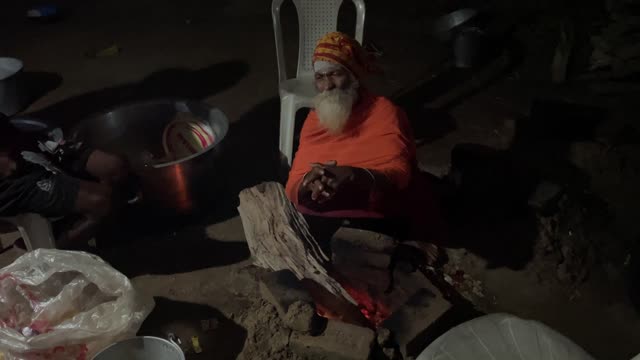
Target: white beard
[(333, 108)]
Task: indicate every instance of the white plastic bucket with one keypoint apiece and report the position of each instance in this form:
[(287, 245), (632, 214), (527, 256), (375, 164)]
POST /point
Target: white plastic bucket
[(142, 348)]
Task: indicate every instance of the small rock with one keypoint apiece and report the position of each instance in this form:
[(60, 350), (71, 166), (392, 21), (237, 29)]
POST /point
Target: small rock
[(391, 353), (575, 295), (448, 279), (546, 196), (293, 303), (281, 289), (384, 337), (209, 324), (563, 273), (339, 341), (302, 316), (410, 323)]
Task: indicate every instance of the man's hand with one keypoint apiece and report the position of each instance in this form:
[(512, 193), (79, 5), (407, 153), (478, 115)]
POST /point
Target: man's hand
[(334, 177), (312, 182), (325, 181)]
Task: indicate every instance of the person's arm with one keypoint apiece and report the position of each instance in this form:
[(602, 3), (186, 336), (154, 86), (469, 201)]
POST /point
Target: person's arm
[(395, 168), (7, 165), (371, 180), (328, 185)]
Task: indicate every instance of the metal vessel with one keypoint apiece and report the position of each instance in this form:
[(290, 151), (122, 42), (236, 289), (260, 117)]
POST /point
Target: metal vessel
[(142, 348), (135, 132)]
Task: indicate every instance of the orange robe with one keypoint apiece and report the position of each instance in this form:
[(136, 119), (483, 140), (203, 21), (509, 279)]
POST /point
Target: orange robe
[(377, 137)]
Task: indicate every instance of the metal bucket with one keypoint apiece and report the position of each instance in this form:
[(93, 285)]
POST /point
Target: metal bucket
[(135, 129), (444, 26), (13, 93), (142, 348), (469, 47)]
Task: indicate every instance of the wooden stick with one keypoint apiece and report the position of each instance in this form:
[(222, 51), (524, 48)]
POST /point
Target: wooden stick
[(279, 237)]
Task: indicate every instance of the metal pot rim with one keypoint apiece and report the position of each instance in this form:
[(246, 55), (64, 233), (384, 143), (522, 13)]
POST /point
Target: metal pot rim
[(159, 101), (446, 23), (14, 67), (174, 345)]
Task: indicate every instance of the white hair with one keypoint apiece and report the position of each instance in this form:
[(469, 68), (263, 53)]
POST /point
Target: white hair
[(334, 107)]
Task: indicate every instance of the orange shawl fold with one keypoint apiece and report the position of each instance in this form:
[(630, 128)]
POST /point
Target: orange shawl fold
[(378, 137)]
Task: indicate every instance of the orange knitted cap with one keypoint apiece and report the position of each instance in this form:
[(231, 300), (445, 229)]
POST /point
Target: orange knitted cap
[(342, 49)]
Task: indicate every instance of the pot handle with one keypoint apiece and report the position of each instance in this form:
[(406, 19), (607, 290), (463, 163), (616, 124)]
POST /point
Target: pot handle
[(175, 340)]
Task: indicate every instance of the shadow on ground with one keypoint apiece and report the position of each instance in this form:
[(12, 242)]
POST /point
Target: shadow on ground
[(169, 251), (224, 340), (139, 242), (167, 83), (429, 102), (40, 83), (489, 214), (252, 154)]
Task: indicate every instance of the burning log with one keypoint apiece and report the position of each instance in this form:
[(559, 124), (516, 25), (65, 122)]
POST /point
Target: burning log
[(279, 237)]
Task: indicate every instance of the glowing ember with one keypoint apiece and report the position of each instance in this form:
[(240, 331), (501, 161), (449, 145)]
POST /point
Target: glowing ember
[(375, 312)]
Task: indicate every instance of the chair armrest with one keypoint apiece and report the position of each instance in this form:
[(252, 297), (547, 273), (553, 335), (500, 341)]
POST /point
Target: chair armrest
[(277, 29), (360, 17)]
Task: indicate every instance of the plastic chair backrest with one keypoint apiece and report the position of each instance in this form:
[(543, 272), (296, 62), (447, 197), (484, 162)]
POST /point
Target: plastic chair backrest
[(315, 19)]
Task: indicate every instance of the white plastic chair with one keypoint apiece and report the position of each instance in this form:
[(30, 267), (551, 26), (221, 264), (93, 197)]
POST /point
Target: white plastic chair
[(503, 337), (315, 18), (36, 230)]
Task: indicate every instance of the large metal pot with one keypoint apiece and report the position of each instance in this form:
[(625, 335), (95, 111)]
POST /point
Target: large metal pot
[(136, 129), (13, 92)]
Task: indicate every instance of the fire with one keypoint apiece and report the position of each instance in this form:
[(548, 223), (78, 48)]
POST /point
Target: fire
[(373, 310)]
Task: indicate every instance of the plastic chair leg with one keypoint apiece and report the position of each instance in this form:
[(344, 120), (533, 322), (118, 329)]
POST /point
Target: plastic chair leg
[(287, 127), (36, 231)]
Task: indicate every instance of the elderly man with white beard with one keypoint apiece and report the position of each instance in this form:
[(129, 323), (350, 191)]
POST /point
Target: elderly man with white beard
[(357, 156)]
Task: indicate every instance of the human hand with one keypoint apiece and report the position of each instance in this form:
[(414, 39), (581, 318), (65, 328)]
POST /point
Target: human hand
[(334, 176), (312, 183)]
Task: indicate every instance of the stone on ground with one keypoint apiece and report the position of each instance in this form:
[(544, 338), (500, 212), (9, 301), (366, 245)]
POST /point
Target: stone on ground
[(293, 303), (339, 341), (410, 324)]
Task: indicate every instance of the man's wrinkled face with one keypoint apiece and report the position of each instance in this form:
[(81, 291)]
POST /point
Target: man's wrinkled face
[(338, 78), (337, 93)]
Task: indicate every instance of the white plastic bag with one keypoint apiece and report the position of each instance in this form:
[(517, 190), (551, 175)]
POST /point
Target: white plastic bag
[(58, 305), (503, 337)]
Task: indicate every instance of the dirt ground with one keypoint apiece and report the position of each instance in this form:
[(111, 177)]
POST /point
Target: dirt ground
[(223, 53)]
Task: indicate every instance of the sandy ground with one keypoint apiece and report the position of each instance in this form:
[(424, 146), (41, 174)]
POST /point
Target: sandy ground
[(223, 53)]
